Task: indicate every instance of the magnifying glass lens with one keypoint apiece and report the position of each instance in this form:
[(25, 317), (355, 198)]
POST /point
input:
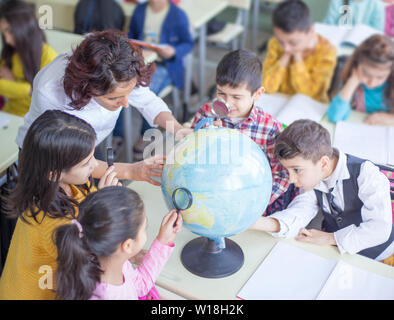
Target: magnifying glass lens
[(220, 108), (182, 199)]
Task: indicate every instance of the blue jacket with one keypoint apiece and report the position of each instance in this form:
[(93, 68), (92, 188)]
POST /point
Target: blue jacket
[(175, 32)]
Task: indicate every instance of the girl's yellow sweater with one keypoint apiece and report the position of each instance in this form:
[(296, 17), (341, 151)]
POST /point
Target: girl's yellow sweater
[(18, 92), (30, 269)]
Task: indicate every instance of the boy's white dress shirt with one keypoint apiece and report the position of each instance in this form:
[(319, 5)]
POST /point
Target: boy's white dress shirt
[(376, 213)]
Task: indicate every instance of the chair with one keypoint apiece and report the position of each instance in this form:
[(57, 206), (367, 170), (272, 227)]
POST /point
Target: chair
[(232, 31)]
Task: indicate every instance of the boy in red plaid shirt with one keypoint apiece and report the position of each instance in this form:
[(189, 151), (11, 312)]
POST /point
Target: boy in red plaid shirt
[(238, 83)]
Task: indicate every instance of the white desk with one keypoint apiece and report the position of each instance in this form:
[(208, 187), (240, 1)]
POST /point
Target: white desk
[(177, 282), (355, 116), (8, 148)]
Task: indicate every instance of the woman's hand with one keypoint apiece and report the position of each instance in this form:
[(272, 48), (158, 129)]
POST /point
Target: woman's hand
[(168, 231), (182, 132), (316, 237), (109, 179), (146, 169)]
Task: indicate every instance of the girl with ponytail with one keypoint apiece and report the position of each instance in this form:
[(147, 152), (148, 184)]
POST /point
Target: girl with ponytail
[(367, 83), (55, 167), (94, 250)]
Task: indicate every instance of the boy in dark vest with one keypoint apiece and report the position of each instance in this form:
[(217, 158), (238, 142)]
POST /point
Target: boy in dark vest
[(352, 193)]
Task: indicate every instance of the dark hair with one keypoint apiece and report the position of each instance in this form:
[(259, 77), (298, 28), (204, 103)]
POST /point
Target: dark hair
[(305, 138), (376, 50), (28, 37), (238, 67), (55, 142), (98, 15), (108, 217), (292, 15), (100, 62)]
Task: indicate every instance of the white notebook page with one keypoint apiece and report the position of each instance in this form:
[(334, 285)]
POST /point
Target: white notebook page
[(350, 283), (288, 272)]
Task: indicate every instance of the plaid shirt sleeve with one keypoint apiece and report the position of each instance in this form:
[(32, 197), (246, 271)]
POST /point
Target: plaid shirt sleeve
[(280, 177), (202, 113)]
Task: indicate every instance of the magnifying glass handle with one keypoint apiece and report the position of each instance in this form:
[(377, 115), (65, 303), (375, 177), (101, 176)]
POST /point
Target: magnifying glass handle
[(177, 215)]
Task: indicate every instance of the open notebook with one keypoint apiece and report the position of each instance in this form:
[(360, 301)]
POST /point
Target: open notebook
[(375, 143), (343, 35), (288, 109), (290, 273)]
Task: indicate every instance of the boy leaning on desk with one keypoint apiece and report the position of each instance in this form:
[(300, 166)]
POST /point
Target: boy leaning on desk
[(353, 195)]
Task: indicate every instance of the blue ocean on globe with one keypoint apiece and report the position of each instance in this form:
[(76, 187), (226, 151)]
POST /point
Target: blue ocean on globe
[(228, 176)]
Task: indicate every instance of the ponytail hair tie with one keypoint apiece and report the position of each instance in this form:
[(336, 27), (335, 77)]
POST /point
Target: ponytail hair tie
[(79, 226)]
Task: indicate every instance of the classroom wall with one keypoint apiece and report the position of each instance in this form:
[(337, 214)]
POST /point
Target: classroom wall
[(318, 9)]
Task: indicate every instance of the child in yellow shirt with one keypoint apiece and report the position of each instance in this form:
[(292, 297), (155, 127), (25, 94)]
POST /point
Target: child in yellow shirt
[(24, 53), (298, 59), (55, 166)]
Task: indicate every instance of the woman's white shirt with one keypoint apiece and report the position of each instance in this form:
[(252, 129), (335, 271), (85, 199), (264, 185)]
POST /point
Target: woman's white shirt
[(48, 94)]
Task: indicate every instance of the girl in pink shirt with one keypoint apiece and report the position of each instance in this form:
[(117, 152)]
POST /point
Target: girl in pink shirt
[(94, 250)]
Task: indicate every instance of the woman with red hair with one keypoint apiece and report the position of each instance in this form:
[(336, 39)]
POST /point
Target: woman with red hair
[(102, 75)]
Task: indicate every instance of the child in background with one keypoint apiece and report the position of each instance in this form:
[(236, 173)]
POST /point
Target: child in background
[(238, 83), (367, 83), (98, 15), (352, 193), (110, 229), (298, 59), (352, 12), (55, 165), (24, 53), (161, 22)]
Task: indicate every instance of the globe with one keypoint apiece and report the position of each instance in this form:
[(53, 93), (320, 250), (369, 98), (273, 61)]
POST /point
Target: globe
[(229, 181)]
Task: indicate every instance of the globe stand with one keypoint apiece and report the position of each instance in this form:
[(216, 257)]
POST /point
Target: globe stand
[(204, 258)]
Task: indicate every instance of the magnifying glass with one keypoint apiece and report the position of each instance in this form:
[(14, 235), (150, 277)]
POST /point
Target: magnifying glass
[(220, 108), (182, 199), (110, 157)]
